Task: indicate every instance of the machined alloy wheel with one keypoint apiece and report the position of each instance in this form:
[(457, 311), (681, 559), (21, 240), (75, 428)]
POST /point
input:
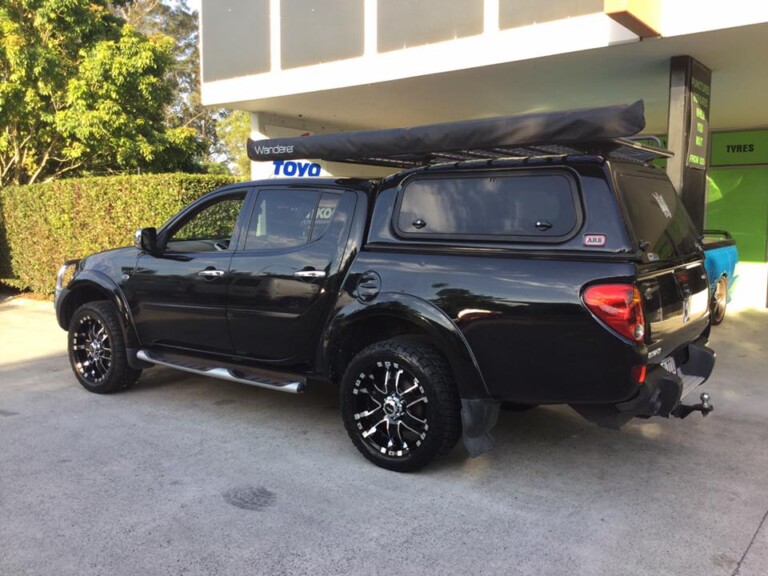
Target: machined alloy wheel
[(399, 405), (719, 301), (97, 349), (91, 349)]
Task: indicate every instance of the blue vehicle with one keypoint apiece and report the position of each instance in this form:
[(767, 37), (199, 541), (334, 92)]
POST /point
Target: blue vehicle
[(721, 257)]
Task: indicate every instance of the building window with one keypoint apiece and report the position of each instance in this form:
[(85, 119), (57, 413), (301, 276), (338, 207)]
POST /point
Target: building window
[(515, 13), (405, 23), (235, 38), (317, 31)]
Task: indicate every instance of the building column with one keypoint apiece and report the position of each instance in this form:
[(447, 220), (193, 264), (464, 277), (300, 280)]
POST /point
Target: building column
[(259, 170), (688, 130)]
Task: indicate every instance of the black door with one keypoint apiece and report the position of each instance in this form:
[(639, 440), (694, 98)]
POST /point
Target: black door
[(284, 275), (179, 297)]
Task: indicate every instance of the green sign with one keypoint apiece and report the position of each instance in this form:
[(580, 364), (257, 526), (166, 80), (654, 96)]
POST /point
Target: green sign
[(699, 127), (739, 148), (737, 202)]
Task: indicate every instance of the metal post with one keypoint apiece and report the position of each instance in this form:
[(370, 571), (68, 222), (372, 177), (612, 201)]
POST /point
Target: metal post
[(688, 133)]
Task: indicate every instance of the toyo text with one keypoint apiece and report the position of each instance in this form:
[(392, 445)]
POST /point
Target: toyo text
[(291, 168)]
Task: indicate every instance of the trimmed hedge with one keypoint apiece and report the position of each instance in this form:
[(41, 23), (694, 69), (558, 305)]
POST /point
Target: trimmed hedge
[(43, 225)]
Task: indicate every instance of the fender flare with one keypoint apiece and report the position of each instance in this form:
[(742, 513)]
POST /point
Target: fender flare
[(104, 284), (430, 320)]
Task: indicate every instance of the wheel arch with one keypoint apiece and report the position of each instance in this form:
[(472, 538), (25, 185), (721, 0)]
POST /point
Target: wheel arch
[(395, 315), (91, 286)]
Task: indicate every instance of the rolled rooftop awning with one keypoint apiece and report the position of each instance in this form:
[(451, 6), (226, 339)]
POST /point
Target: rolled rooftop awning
[(457, 140)]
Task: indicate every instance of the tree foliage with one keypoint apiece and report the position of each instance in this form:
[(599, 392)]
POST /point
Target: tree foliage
[(84, 92), (233, 130), (221, 133), (177, 21)]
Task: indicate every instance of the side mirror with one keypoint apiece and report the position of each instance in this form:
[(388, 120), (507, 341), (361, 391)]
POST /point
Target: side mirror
[(146, 239)]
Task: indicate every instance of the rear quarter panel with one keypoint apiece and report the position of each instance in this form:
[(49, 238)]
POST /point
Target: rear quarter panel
[(519, 305), (523, 319), (721, 261)]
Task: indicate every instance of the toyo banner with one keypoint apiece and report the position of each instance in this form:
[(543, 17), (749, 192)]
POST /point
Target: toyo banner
[(296, 169), (288, 168)]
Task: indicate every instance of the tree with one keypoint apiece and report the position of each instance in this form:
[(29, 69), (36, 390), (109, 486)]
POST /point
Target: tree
[(233, 129), (177, 21), (83, 92)]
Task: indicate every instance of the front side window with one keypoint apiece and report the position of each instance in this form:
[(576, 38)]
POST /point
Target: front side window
[(525, 206), (210, 229)]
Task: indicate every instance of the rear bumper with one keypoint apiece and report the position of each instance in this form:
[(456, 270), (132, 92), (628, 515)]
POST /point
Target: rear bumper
[(662, 391)]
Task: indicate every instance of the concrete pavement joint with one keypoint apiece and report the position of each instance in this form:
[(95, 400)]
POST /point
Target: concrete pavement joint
[(749, 546)]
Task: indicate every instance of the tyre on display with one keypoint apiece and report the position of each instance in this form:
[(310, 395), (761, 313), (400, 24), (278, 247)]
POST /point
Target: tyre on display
[(399, 405), (97, 349), (719, 301)]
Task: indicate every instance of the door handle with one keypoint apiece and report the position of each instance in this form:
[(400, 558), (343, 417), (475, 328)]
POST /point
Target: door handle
[(310, 274), (211, 273)]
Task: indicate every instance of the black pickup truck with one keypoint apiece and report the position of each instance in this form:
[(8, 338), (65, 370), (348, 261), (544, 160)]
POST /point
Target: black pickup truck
[(490, 269)]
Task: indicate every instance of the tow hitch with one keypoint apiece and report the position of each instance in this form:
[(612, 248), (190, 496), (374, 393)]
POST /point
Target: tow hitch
[(682, 410)]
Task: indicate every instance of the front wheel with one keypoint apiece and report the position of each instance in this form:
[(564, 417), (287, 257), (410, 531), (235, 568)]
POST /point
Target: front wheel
[(719, 301), (400, 406), (97, 349)]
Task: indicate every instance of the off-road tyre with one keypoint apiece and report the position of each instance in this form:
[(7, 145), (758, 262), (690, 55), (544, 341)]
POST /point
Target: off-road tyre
[(400, 405), (97, 349)]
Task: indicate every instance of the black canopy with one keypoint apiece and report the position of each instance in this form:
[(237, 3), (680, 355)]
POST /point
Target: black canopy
[(542, 133)]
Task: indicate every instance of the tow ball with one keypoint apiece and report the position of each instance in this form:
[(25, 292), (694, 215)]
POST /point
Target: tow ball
[(705, 407)]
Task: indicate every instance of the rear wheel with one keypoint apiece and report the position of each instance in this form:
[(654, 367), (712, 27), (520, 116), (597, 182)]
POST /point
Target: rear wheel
[(719, 301), (97, 349), (400, 406)]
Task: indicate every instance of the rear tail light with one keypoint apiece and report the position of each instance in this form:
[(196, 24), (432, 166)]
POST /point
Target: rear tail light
[(619, 306)]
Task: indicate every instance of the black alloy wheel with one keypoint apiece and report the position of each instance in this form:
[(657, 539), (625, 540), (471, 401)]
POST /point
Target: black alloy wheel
[(97, 349), (400, 406)]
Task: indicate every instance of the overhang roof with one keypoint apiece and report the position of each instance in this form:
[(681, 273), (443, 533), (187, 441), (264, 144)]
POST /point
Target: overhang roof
[(619, 73)]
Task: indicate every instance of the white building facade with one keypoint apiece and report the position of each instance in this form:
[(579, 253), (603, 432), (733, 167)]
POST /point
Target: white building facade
[(313, 66)]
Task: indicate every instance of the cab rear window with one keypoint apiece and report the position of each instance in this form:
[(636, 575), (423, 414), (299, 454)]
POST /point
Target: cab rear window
[(525, 206)]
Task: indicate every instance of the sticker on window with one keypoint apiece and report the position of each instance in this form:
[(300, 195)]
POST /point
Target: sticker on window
[(663, 205)]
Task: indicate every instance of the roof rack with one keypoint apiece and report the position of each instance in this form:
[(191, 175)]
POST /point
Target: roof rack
[(605, 132)]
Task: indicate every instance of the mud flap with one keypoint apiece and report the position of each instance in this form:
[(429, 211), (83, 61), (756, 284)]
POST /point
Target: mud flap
[(478, 417)]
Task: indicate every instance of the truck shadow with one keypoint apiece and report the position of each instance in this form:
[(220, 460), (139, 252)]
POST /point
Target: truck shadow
[(531, 438), (550, 439)]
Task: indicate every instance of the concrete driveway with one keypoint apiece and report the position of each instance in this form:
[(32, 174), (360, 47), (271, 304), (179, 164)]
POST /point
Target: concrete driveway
[(188, 475)]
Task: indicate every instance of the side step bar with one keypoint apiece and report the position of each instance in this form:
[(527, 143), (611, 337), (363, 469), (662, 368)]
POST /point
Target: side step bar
[(274, 381)]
